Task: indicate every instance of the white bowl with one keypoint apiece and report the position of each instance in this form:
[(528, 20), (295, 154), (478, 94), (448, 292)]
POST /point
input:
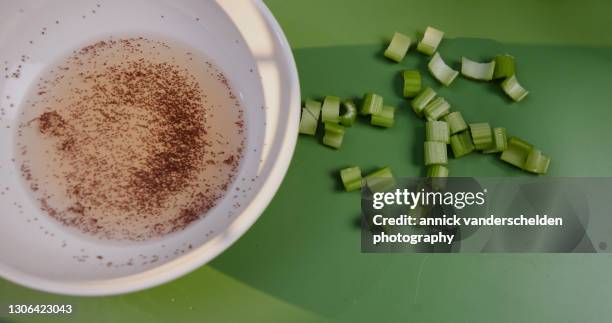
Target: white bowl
[(241, 37)]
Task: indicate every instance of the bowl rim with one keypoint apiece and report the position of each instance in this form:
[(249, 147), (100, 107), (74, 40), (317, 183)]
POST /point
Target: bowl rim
[(211, 249)]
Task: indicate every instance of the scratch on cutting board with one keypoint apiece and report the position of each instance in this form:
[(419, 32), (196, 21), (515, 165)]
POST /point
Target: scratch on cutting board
[(418, 279)]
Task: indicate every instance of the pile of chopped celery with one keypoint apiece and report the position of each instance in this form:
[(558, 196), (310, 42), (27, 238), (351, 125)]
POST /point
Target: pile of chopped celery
[(377, 181), (443, 127), (336, 116)]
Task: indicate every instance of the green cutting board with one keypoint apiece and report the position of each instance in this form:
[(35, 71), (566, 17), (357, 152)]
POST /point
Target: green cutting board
[(301, 262)]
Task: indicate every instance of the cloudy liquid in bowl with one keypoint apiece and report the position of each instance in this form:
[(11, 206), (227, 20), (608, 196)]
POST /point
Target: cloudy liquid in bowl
[(130, 138)]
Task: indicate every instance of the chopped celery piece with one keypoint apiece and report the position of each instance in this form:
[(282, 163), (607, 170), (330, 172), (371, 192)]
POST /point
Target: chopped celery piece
[(334, 128), (442, 72), (513, 89), (438, 175), (436, 109), (308, 124), (398, 47), (455, 122), (431, 39), (372, 104), (499, 141), (412, 83), (351, 178), (334, 134), (476, 70), (437, 131), (536, 162), (516, 153), (381, 180), (437, 171), (386, 117), (504, 66), (350, 113), (435, 153), (310, 117), (331, 109), (422, 100), (461, 144), (482, 137), (333, 140)]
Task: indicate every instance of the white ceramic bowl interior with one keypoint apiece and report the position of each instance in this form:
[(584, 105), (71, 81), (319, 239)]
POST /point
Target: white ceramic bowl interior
[(241, 37)]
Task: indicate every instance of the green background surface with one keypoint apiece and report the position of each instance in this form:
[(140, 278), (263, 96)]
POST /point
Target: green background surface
[(301, 261)]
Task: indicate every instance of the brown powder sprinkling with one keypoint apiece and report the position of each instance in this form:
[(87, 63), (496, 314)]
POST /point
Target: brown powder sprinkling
[(133, 141)]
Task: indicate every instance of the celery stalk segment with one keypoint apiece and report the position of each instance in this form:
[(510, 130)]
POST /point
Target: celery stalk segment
[(412, 83), (435, 153), (536, 162), (482, 136), (310, 117), (517, 151), (441, 71), (351, 178), (350, 113), (437, 171), (499, 141), (504, 66), (372, 104), (381, 180), (398, 47), (385, 118), (437, 175), (436, 109), (437, 131), (477, 71), (422, 100), (455, 122), (431, 39), (461, 144), (513, 89), (334, 135), (331, 109)]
